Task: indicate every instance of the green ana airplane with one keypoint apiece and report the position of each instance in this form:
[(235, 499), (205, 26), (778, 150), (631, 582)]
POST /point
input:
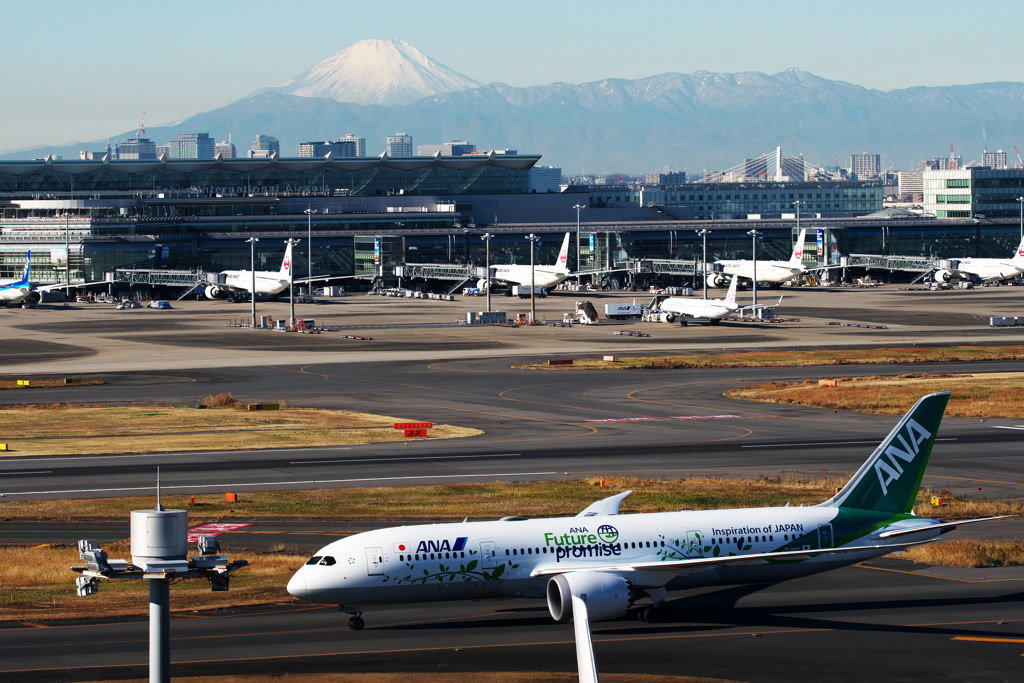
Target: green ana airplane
[(599, 564)]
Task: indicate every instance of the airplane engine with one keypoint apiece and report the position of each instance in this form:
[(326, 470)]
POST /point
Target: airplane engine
[(942, 276), (718, 280), (481, 284), (607, 595), (215, 292)]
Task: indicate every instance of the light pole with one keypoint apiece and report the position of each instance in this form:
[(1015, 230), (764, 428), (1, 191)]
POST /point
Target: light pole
[(579, 263), (1021, 200), (291, 285), (67, 254), (533, 280), (309, 246), (486, 237), (252, 264), (703, 232), (753, 235)]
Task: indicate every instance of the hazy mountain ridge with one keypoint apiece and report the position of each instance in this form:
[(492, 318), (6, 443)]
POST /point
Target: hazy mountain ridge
[(670, 119)]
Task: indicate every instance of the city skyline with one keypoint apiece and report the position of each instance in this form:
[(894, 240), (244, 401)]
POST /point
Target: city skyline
[(96, 68)]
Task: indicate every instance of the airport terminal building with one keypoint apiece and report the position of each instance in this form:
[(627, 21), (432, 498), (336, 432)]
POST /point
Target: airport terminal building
[(361, 216)]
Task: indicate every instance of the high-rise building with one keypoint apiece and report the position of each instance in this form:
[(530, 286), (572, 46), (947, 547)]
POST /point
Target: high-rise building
[(225, 150), (360, 144), (265, 146), (191, 146), (866, 166), (314, 149), (399, 145), (136, 148), (544, 179), (994, 160), (910, 186)]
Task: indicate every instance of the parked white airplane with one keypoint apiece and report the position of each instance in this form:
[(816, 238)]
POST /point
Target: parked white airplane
[(543, 276), (606, 563), (772, 272), (681, 308), (267, 281), (987, 268), (17, 291)]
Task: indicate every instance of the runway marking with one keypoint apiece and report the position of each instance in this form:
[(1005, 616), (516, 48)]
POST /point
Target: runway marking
[(165, 454), (825, 443), (650, 419), (989, 640), (1002, 427), (214, 529), (167, 487), (422, 457), (11, 474), (932, 576)]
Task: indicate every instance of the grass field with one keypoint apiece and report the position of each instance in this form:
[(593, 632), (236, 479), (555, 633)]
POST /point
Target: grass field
[(973, 395), (64, 428), (753, 359)]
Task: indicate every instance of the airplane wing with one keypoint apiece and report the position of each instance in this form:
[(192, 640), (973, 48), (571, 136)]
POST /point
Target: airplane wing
[(698, 564), (64, 285), (605, 506), (946, 526), (321, 278)]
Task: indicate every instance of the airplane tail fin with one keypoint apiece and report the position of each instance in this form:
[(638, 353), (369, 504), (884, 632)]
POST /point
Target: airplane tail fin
[(797, 258), (730, 296), (563, 255), (888, 481), (26, 273), (1018, 257), (286, 263)]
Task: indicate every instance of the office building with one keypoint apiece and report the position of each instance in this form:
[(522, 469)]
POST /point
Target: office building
[(866, 166), (360, 144), (910, 187), (994, 160), (973, 193), (399, 145), (224, 150), (191, 146), (456, 148), (136, 148), (264, 147), (545, 179)]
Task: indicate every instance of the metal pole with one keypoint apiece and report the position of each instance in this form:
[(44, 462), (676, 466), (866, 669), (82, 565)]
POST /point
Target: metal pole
[(159, 631), (753, 235), (291, 286), (252, 264), (309, 245), (579, 259), (1021, 200), (67, 254), (703, 232), (486, 237), (533, 287)]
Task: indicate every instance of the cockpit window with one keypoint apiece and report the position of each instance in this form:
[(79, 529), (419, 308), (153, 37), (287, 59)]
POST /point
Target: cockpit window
[(327, 561), (314, 560)]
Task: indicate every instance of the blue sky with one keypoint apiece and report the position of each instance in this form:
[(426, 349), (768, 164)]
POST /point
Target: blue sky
[(84, 71)]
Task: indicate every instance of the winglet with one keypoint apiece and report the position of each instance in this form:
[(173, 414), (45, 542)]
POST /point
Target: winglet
[(605, 506)]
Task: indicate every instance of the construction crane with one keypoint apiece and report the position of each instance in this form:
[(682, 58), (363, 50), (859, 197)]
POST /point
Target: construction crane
[(1019, 160)]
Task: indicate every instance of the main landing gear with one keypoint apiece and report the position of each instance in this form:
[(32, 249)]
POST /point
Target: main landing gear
[(653, 614), (355, 622)]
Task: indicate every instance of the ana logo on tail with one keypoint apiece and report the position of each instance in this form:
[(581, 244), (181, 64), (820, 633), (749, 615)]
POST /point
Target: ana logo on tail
[(911, 439)]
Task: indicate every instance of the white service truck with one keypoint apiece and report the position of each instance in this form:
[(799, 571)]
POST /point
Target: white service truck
[(523, 291), (624, 311)]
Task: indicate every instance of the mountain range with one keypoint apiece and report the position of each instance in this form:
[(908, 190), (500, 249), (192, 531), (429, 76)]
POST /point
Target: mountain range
[(683, 121)]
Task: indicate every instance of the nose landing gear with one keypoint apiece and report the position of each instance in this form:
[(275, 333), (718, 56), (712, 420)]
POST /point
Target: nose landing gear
[(356, 622)]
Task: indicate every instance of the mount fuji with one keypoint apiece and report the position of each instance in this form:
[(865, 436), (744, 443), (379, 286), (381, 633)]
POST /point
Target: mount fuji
[(377, 72)]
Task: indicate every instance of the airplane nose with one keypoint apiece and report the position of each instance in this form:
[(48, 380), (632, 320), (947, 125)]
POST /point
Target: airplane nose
[(297, 585)]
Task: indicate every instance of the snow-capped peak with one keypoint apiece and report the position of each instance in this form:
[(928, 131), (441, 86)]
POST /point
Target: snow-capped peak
[(378, 72)]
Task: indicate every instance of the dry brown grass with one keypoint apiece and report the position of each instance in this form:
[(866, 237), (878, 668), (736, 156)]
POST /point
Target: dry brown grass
[(973, 395), (453, 677), (34, 429), (47, 383), (753, 359), (48, 592), (965, 552)]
